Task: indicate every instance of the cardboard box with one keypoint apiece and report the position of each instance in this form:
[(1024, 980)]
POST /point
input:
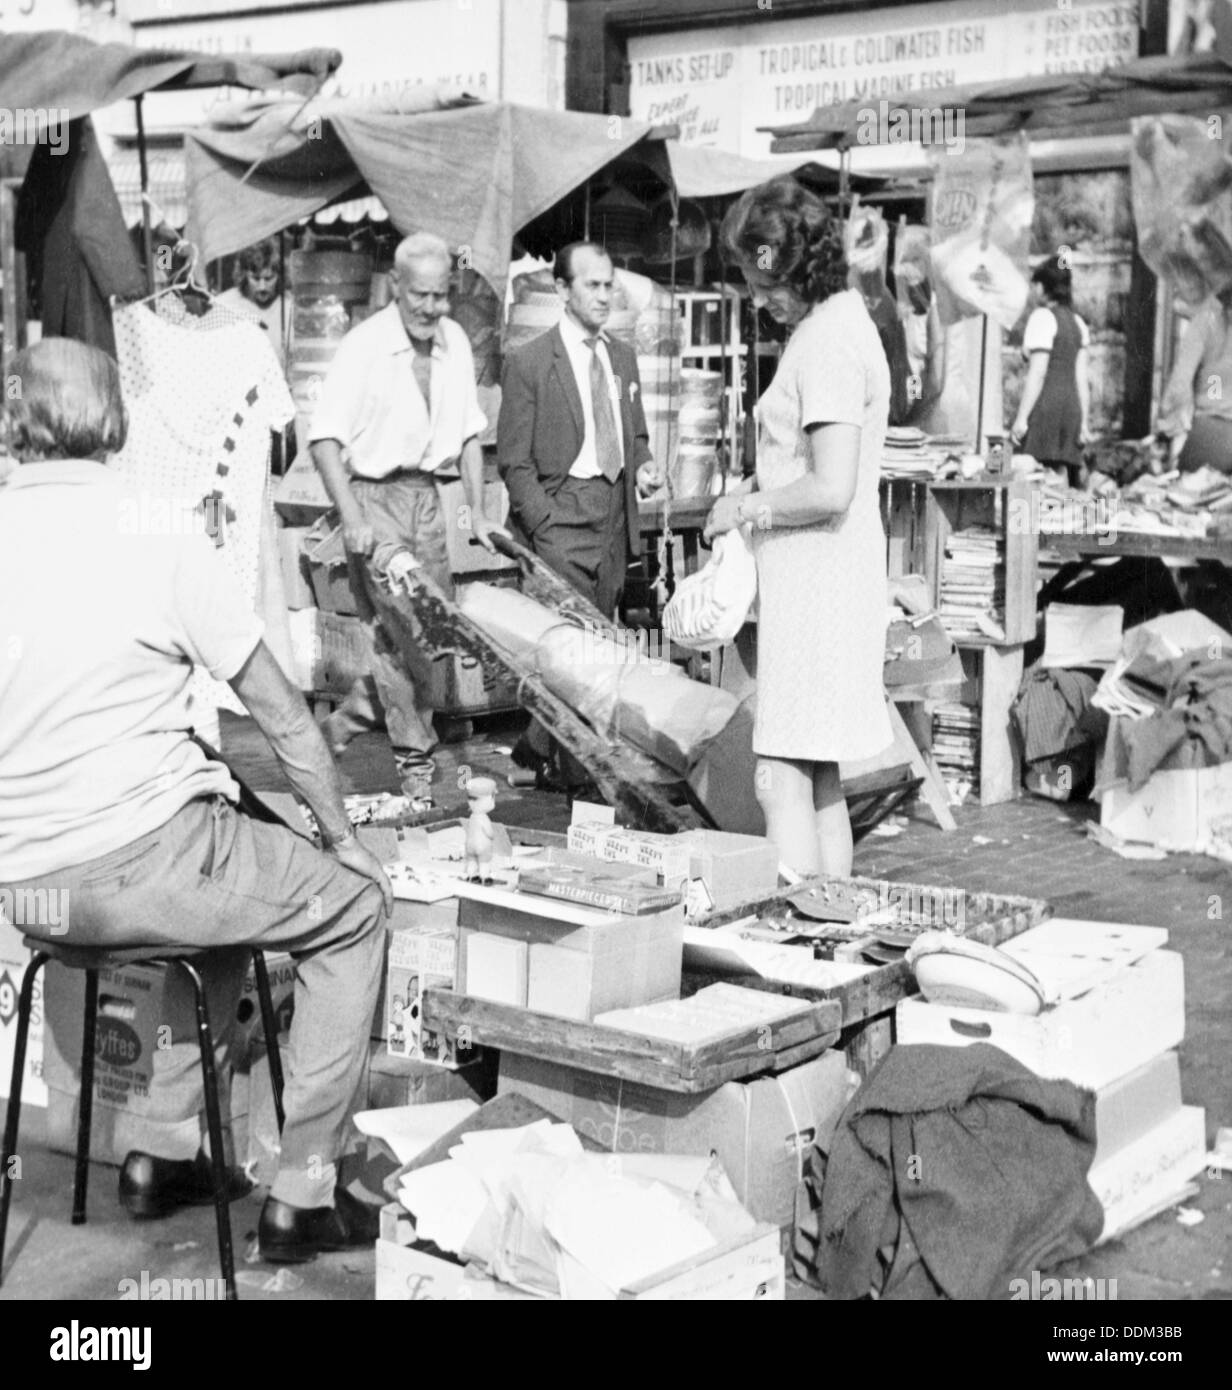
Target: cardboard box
[(299, 495), (496, 968), (250, 1030), (559, 982), (1115, 1027), (14, 959), (746, 1268), (1143, 1177), (397, 1081), (725, 869), (465, 558), (295, 582), (133, 1007), (1174, 810), (760, 1129), (630, 960), (422, 953), (669, 855), (328, 571), (1134, 1105)]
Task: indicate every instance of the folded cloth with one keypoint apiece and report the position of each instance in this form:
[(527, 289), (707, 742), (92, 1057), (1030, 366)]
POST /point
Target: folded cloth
[(1052, 712), (1193, 726), (953, 1171)]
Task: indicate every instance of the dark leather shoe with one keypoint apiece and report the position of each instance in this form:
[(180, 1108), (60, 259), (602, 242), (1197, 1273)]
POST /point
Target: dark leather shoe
[(294, 1235), (151, 1187)]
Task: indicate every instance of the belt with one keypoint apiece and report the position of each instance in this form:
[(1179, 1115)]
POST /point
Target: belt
[(416, 477)]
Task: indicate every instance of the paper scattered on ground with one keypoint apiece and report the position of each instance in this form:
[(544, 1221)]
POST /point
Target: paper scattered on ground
[(1127, 849), (410, 1129), (1190, 1216), (889, 827), (285, 1281)]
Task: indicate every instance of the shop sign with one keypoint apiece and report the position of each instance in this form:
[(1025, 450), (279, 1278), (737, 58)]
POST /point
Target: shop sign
[(23, 16), (719, 85), (387, 48)]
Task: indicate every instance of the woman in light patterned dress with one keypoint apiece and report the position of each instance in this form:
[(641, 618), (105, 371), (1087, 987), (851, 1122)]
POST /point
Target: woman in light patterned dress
[(815, 524)]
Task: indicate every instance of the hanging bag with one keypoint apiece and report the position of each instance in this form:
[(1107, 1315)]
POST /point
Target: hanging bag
[(710, 607)]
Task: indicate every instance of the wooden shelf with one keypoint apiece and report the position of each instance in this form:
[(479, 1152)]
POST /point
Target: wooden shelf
[(1004, 506)]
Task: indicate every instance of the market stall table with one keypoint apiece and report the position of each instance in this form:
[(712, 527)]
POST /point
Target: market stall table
[(868, 1002)]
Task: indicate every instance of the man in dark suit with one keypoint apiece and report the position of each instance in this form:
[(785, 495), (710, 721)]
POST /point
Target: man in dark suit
[(572, 435)]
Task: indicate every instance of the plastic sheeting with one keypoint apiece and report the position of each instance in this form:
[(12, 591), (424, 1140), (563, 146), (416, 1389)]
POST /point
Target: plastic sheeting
[(605, 677), (1181, 174)]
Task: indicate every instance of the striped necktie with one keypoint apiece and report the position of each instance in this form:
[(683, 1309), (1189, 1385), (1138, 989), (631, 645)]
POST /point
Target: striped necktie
[(607, 439)]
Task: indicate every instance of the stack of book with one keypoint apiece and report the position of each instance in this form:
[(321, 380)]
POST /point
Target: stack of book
[(956, 747), (908, 454), (973, 585)]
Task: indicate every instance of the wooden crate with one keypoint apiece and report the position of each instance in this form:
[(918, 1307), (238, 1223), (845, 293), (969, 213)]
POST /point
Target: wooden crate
[(670, 1066), (1005, 506), (867, 1003)]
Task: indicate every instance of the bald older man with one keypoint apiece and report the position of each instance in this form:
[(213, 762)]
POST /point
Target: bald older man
[(398, 414)]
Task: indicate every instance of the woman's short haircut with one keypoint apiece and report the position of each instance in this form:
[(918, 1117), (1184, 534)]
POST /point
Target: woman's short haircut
[(259, 257), (1057, 282), (784, 230), (65, 403)]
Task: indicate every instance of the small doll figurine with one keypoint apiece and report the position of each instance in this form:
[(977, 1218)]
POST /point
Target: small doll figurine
[(481, 793)]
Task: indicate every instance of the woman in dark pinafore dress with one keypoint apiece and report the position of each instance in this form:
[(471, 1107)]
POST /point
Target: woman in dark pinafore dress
[(1053, 418)]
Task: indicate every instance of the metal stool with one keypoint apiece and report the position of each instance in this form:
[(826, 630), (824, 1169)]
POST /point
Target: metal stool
[(92, 961)]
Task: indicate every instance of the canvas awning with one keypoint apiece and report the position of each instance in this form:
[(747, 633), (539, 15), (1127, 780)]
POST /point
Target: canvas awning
[(1071, 103), (59, 71), (701, 172), (474, 174)]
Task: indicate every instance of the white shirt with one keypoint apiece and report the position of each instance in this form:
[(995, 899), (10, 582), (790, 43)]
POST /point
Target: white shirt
[(1041, 332), (586, 465), (94, 675), (373, 406)]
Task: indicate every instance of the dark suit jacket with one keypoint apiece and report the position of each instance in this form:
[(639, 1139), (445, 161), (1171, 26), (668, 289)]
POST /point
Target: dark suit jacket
[(540, 434)]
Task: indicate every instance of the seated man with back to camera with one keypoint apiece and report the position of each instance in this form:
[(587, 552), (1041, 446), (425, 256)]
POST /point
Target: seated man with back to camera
[(108, 802)]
